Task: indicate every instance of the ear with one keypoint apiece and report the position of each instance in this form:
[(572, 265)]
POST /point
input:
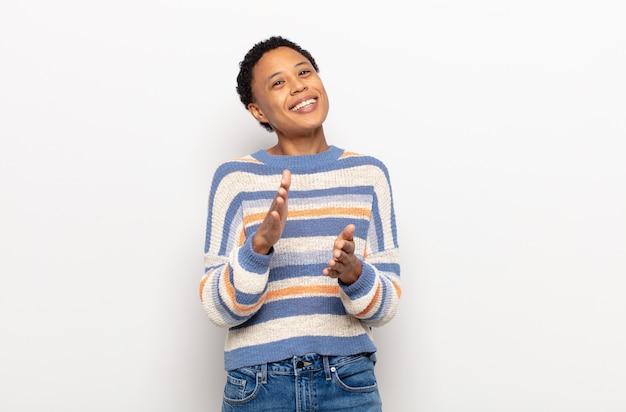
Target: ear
[(256, 112)]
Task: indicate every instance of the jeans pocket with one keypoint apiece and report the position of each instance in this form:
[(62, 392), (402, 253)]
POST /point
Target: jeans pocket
[(356, 376), (241, 386)]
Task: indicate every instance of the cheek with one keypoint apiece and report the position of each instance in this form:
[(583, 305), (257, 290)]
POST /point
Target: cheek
[(272, 107)]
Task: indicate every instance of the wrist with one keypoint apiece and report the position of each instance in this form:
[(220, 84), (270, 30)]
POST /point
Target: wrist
[(260, 247), (348, 280)]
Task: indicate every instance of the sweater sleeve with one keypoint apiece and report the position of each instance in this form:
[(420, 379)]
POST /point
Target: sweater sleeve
[(374, 297), (235, 277)]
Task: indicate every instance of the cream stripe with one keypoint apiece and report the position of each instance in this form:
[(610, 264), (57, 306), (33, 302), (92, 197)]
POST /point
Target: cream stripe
[(228, 188), (305, 281), (233, 182), (278, 329)]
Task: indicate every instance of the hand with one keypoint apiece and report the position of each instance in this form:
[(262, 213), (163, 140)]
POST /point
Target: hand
[(271, 229), (344, 264)]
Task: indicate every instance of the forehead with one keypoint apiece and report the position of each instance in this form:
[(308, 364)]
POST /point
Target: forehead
[(278, 60)]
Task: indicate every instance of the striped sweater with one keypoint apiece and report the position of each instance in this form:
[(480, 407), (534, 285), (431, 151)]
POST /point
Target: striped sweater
[(280, 305)]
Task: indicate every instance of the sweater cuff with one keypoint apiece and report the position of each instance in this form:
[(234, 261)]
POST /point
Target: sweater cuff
[(363, 284), (252, 261)]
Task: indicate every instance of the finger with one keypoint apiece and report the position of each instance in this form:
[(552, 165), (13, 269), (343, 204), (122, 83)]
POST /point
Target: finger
[(337, 254), (348, 232), (346, 246), (330, 273), (285, 181), (276, 205)]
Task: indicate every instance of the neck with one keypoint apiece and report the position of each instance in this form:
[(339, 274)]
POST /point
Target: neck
[(306, 145)]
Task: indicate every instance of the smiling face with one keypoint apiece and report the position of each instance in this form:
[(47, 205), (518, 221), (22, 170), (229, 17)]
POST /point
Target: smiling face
[(288, 93)]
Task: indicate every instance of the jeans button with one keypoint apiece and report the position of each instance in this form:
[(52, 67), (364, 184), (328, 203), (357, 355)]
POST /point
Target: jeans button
[(299, 364)]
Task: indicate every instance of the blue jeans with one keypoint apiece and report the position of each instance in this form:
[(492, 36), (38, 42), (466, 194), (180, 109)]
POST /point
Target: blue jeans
[(309, 383)]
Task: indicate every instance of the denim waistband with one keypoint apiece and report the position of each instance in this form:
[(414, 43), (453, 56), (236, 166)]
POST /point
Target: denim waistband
[(310, 362)]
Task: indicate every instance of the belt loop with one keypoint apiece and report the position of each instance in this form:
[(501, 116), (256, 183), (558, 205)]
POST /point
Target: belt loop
[(326, 367), (264, 373)]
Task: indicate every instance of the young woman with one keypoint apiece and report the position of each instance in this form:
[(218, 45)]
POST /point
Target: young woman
[(301, 253)]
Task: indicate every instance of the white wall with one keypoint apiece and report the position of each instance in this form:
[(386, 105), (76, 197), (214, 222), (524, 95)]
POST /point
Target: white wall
[(503, 126)]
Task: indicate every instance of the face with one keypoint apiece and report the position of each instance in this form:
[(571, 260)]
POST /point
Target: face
[(288, 93)]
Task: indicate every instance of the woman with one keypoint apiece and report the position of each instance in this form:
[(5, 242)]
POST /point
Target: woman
[(301, 253)]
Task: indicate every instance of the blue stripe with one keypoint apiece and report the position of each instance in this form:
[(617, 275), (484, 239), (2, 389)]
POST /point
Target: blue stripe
[(325, 226), (287, 348), (295, 271), (300, 306), (226, 313)]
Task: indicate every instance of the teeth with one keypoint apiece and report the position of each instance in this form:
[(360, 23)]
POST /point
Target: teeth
[(303, 104)]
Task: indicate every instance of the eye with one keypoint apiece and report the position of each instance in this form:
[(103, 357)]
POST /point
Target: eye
[(304, 72), (277, 83)]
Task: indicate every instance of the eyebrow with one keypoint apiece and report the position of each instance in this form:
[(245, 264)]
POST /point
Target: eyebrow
[(304, 62)]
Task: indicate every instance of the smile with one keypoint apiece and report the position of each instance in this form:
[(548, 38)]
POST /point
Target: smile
[(302, 104)]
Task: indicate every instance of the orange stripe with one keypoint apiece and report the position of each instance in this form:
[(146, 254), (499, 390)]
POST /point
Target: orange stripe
[(230, 291), (246, 159), (302, 290), (349, 211), (202, 282), (372, 303), (398, 290), (348, 154), (346, 211)]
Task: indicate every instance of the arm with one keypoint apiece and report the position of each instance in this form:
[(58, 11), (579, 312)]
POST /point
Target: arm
[(370, 284), (237, 266)]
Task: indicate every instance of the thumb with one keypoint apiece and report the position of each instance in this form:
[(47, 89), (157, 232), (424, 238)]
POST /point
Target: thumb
[(348, 232)]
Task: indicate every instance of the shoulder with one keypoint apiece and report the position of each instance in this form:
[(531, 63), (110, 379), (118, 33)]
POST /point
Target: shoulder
[(359, 159), (237, 164)]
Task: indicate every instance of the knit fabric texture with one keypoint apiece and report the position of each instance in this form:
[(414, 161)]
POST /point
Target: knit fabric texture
[(280, 305)]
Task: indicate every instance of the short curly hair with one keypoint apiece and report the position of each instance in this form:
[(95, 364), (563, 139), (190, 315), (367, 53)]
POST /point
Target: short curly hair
[(244, 78)]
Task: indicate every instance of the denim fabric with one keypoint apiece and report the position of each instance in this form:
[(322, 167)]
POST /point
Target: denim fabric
[(309, 383)]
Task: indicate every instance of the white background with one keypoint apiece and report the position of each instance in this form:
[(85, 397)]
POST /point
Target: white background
[(502, 124)]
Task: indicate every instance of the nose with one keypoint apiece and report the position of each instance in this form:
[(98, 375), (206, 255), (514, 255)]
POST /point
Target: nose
[(298, 86)]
